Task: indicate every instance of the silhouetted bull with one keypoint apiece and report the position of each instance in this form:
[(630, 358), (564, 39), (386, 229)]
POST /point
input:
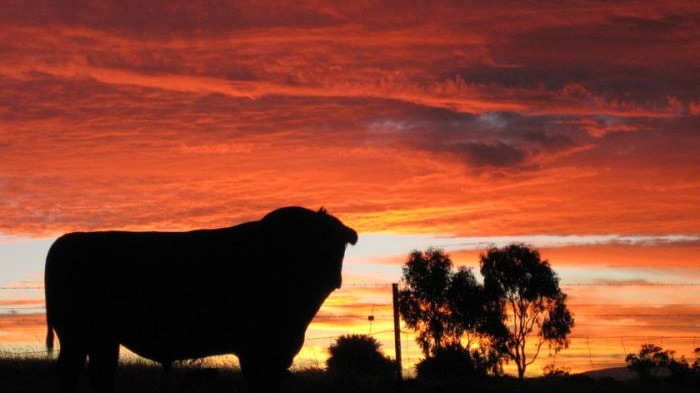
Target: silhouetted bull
[(251, 290)]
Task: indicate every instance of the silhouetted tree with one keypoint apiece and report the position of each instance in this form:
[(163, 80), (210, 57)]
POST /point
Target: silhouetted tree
[(651, 358), (451, 363), (476, 323), (446, 307), (440, 304), (524, 291), (358, 355), (465, 303), (423, 301)]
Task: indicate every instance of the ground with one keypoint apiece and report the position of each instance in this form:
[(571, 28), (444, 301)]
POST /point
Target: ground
[(37, 376)]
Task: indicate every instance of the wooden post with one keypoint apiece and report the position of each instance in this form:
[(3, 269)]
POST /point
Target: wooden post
[(397, 337)]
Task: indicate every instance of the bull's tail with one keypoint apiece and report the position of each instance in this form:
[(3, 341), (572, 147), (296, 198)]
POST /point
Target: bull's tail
[(50, 260), (49, 338)]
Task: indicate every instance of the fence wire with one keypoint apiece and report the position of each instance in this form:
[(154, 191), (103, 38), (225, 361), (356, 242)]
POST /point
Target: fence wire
[(594, 342)]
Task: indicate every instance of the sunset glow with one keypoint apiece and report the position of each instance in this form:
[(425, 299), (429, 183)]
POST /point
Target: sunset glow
[(571, 126)]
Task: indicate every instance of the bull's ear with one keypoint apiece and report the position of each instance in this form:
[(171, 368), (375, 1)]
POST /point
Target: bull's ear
[(351, 235)]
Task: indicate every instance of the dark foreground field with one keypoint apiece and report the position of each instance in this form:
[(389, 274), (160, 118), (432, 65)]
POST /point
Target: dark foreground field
[(37, 376)]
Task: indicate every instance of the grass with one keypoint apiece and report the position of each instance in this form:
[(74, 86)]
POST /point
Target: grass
[(35, 375)]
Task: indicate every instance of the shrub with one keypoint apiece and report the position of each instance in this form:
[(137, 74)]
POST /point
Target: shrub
[(452, 363), (359, 355), (553, 371), (653, 361)]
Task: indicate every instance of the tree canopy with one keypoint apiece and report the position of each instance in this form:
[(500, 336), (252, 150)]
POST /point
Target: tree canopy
[(519, 303), (654, 362), (441, 304), (446, 307), (524, 290)]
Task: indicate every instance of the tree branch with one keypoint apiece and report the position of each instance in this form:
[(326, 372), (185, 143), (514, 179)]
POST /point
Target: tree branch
[(534, 357)]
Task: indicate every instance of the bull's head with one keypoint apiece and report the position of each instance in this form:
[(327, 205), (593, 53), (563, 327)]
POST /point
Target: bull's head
[(336, 237), (315, 241)]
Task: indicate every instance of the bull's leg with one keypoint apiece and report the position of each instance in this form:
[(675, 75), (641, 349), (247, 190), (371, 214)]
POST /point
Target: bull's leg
[(70, 364), (104, 358), (262, 375)]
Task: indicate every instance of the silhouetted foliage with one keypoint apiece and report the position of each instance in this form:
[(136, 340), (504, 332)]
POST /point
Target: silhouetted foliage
[(445, 307), (649, 357), (465, 301), (35, 375), (424, 301), (358, 354), (356, 364), (654, 362), (524, 292), (455, 363), (552, 370)]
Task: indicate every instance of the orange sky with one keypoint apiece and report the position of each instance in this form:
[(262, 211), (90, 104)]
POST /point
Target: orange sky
[(570, 125)]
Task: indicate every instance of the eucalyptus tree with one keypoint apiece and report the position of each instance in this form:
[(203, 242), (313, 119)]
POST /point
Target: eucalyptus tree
[(446, 307), (524, 290)]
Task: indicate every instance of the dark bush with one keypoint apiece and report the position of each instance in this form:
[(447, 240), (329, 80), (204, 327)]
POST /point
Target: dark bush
[(358, 355), (654, 362), (452, 363), (553, 371)]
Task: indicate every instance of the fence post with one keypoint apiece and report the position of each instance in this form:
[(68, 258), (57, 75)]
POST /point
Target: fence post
[(397, 337)]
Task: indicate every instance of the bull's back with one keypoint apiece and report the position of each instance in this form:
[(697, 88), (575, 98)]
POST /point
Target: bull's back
[(87, 258), (144, 286)]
